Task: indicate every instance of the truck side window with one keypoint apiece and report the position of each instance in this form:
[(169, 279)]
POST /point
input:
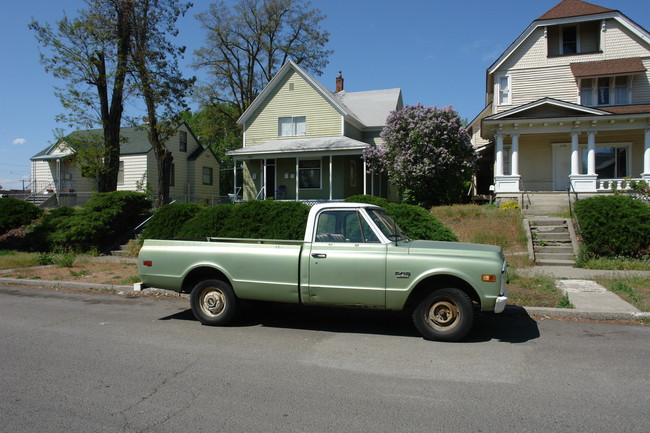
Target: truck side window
[(339, 226), (368, 234)]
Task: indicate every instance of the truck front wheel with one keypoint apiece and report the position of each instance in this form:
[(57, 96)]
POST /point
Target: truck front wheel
[(445, 315), (213, 302)]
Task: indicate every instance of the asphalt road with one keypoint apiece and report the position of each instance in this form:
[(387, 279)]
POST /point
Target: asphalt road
[(84, 362)]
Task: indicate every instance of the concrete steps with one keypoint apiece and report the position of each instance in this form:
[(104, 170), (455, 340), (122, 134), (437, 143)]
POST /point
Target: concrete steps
[(552, 241), (545, 204)]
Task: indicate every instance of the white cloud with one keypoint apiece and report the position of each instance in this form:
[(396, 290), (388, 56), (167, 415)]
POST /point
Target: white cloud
[(19, 141)]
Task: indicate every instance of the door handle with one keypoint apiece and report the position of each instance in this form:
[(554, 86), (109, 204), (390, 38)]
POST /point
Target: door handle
[(319, 255)]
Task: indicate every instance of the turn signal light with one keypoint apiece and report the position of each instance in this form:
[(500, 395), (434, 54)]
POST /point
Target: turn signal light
[(488, 278), (147, 263)]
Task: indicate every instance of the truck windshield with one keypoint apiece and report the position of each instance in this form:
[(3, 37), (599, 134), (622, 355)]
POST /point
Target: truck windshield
[(386, 225)]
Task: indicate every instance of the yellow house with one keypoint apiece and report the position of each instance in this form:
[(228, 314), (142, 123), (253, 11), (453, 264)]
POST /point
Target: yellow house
[(305, 142)]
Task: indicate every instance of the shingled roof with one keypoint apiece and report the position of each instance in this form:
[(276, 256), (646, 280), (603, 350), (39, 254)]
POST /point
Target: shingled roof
[(573, 8)]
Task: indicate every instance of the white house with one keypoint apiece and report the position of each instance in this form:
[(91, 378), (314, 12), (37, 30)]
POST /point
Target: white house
[(194, 177), (568, 105)]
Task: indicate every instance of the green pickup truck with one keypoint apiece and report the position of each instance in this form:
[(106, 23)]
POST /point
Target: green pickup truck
[(352, 255)]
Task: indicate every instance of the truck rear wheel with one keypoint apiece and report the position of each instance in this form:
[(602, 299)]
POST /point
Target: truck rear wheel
[(444, 315), (213, 302)]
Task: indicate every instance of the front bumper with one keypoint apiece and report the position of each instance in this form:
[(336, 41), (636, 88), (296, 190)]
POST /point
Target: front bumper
[(500, 304)]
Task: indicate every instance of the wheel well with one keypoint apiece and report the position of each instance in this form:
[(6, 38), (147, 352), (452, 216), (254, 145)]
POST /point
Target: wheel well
[(436, 282), (199, 274)]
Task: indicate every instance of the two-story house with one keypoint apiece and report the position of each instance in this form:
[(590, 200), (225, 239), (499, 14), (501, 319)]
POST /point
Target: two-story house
[(568, 104), (305, 142), (55, 175)]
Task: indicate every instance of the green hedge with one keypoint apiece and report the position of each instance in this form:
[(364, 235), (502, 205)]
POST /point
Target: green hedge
[(15, 213), (169, 220), (415, 221), (99, 223), (206, 222), (614, 226)]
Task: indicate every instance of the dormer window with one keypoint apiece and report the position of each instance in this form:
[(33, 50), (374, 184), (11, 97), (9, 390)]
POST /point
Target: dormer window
[(292, 126), (571, 39), (182, 137), (605, 91), (503, 90)]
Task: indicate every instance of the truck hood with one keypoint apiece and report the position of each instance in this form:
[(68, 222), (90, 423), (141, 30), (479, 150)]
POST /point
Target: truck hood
[(453, 248)]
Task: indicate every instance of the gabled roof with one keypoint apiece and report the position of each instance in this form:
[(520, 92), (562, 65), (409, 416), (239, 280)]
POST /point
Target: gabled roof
[(365, 109), (573, 8), (571, 11), (135, 141), (547, 107)]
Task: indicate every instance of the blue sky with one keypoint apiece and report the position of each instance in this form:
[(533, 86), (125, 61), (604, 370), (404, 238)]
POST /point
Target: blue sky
[(435, 51)]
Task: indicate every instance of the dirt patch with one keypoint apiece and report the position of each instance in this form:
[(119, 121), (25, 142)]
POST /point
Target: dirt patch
[(115, 273)]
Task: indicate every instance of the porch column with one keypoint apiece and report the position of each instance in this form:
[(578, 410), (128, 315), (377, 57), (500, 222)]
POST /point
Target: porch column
[(297, 179), (575, 153), (234, 169), (514, 156), (263, 182), (499, 156), (591, 152), (330, 177), (646, 157), (365, 177)]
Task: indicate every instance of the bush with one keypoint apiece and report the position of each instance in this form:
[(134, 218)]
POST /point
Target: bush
[(266, 219), (102, 221), (415, 221), (510, 204), (614, 226), (42, 236), (418, 223), (169, 220), (369, 199), (15, 213), (207, 222)]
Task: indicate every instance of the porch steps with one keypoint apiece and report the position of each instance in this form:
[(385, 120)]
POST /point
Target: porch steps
[(545, 204), (40, 200), (122, 252), (552, 241)]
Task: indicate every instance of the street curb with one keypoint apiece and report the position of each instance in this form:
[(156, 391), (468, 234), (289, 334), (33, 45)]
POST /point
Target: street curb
[(572, 313), (510, 310), (66, 284)]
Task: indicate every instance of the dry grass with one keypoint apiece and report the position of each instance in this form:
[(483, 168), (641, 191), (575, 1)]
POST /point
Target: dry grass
[(635, 290), (538, 291), (485, 225)]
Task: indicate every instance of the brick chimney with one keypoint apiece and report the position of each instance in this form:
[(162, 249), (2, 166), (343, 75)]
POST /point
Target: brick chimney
[(339, 82)]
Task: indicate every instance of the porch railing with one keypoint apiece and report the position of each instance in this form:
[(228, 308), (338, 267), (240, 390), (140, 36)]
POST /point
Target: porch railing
[(615, 184)]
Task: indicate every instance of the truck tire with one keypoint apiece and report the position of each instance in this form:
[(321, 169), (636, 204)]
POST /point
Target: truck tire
[(444, 315), (213, 302)]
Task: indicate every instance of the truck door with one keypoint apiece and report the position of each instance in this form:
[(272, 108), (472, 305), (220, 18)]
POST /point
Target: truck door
[(347, 263)]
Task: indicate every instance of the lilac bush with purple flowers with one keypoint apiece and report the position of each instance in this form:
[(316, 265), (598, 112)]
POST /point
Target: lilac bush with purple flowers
[(426, 154)]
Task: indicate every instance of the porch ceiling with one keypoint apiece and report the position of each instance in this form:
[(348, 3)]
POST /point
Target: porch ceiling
[(299, 146)]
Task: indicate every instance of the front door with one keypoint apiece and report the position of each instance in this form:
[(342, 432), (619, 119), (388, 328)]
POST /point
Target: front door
[(561, 166), (347, 265), (269, 182)]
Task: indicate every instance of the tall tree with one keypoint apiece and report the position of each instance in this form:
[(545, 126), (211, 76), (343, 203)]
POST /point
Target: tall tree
[(247, 43), (90, 53), (158, 78), (426, 153)]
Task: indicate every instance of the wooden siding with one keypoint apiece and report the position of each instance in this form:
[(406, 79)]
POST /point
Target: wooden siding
[(135, 167), (323, 119)]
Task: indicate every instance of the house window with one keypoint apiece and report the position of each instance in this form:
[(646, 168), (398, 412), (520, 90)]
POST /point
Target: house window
[(182, 135), (309, 174), (207, 175), (605, 91), (569, 42), (172, 175), (292, 126), (504, 84), (611, 162), (120, 174), (566, 40)]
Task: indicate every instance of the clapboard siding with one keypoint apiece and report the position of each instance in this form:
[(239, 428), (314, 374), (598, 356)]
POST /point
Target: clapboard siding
[(322, 118)]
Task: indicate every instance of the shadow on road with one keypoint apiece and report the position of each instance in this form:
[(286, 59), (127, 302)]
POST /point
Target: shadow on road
[(510, 328)]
